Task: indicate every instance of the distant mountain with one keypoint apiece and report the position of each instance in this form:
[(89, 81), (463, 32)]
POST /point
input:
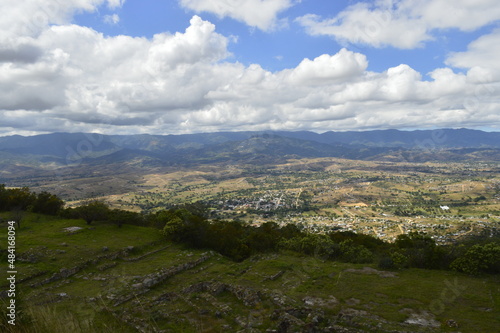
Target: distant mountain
[(56, 144), (271, 147), (69, 149), (420, 139)]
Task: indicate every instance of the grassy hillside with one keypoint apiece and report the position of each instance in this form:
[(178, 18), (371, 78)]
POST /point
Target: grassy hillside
[(102, 278)]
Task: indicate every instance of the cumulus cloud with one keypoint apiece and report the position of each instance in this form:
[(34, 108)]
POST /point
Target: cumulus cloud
[(481, 56), (73, 78), (261, 14), (404, 24), (29, 18), (343, 65)]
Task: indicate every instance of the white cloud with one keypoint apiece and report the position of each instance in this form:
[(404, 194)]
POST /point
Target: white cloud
[(465, 15), (29, 18), (111, 19), (72, 78), (481, 57), (261, 14), (113, 4), (361, 25), (325, 68), (403, 24)]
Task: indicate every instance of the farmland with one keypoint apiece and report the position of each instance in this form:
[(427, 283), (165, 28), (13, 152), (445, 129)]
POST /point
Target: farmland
[(448, 201)]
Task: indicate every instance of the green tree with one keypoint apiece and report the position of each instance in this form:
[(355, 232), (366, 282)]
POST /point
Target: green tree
[(120, 217), (173, 228), (93, 211), (421, 250), (351, 252), (264, 238), (46, 203), (479, 259), (20, 198)]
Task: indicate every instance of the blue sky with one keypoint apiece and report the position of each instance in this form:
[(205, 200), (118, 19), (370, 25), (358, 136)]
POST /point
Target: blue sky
[(183, 66), (280, 48)]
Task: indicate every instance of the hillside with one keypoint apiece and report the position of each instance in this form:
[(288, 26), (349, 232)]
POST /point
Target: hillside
[(22, 157), (107, 279)]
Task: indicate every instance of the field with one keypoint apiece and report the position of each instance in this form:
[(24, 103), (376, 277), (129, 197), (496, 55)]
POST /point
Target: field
[(383, 198), (102, 278)]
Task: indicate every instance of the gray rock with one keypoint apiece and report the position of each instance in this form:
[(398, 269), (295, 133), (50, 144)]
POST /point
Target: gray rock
[(148, 282)]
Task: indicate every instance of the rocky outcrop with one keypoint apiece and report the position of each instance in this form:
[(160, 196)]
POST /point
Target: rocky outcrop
[(249, 296), (151, 280)]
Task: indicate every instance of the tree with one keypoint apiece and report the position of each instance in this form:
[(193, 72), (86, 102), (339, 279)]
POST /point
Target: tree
[(264, 238), (20, 198), (47, 203), (173, 226), (479, 259), (3, 198), (93, 211), (120, 217), (421, 250)]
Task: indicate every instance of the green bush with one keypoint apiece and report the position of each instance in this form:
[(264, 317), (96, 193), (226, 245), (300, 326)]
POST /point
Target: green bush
[(479, 259)]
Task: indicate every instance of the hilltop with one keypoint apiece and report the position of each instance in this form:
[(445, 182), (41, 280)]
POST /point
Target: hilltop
[(102, 278)]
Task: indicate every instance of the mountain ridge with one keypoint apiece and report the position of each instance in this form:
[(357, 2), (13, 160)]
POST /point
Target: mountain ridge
[(254, 147)]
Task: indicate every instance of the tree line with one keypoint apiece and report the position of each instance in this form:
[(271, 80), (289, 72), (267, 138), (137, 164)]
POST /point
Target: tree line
[(189, 224)]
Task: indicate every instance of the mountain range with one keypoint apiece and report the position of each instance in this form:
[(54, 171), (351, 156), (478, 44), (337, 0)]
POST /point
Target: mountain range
[(67, 149)]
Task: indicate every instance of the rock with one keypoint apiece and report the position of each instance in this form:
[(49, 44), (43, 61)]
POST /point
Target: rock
[(72, 230), (148, 282), (318, 301), (283, 326), (129, 248), (240, 321), (105, 249), (369, 270), (425, 319), (352, 301)]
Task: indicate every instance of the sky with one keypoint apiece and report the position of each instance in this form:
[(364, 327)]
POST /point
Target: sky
[(191, 66)]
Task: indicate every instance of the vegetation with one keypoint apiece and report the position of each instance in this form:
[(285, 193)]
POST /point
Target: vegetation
[(188, 225), (132, 279), (25, 200)]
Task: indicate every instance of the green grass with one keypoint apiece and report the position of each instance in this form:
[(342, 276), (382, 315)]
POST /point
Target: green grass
[(88, 303)]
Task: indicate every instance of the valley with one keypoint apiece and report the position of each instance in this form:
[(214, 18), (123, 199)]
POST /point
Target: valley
[(293, 234), (380, 198)]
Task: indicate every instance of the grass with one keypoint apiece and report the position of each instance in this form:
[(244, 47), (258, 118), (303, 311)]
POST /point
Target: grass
[(87, 304)]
